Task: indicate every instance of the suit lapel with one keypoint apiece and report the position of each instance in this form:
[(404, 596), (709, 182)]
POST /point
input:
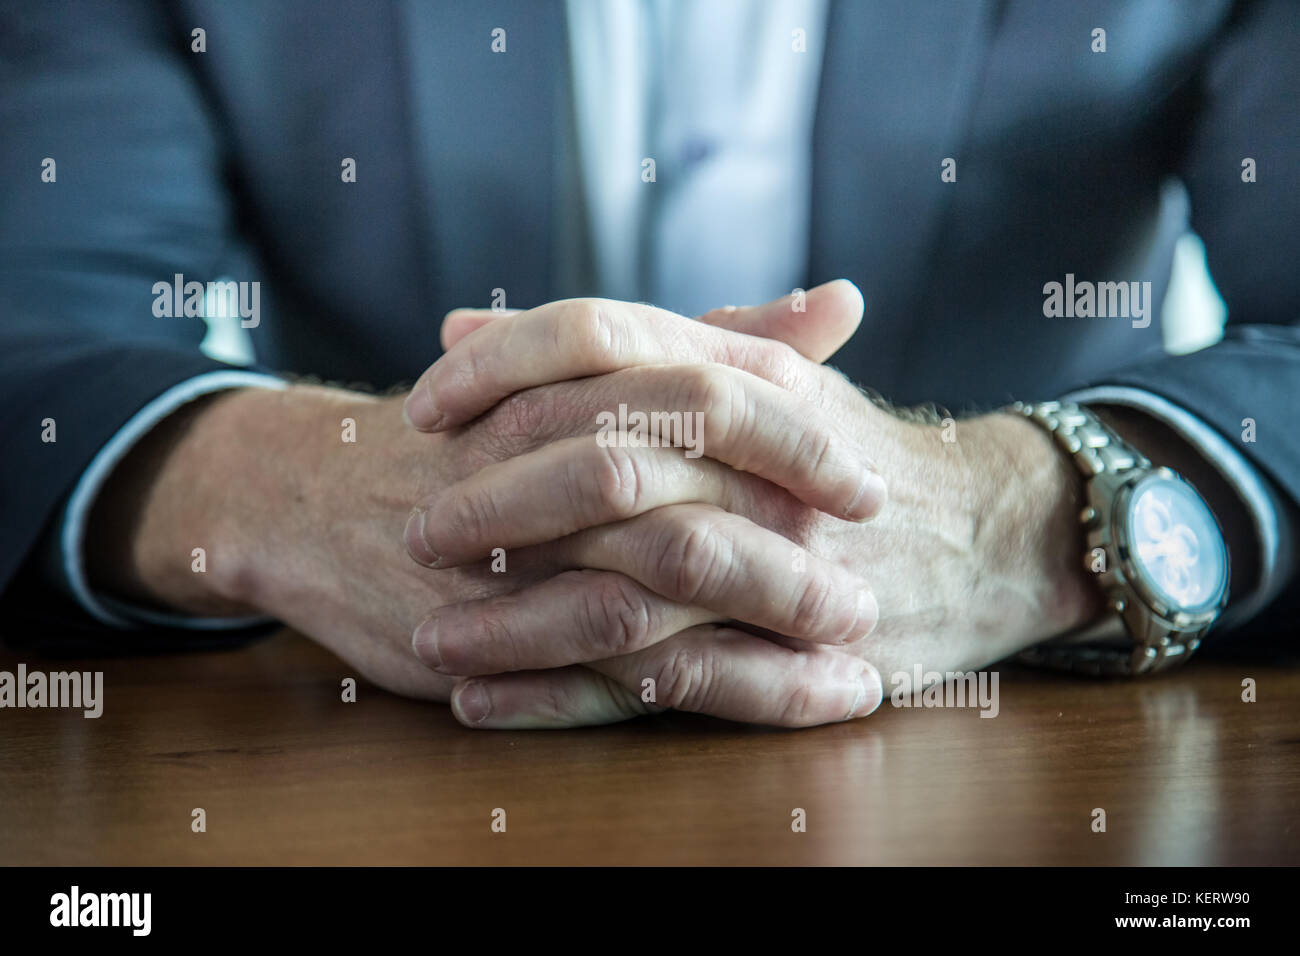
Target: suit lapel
[(898, 80), (485, 136)]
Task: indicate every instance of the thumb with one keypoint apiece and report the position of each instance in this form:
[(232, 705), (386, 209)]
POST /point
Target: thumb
[(459, 323), (832, 313)]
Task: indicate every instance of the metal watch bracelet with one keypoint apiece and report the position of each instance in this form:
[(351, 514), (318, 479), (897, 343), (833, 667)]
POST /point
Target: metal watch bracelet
[(1107, 649)]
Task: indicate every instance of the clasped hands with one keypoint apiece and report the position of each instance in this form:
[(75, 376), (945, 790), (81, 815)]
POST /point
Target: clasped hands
[(818, 543)]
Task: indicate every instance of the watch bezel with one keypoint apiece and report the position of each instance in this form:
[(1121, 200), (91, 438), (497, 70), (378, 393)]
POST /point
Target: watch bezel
[(1135, 579)]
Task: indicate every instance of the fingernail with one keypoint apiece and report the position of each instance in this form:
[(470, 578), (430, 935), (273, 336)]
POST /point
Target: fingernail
[(870, 498), (868, 616), (420, 411), (473, 703), (425, 642), (870, 693), (417, 545)]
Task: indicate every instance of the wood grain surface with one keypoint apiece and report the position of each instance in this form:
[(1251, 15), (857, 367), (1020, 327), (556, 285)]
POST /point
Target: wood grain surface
[(287, 773)]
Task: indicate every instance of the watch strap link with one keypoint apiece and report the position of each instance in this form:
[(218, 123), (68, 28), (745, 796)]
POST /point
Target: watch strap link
[(1099, 660), (1081, 435)]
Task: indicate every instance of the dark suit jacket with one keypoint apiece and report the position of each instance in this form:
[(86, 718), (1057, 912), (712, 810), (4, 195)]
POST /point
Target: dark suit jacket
[(228, 162)]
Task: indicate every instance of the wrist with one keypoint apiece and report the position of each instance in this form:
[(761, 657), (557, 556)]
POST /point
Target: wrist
[(303, 471), (202, 516), (1029, 496), (151, 536)]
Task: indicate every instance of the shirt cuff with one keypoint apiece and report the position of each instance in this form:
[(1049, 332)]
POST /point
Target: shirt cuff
[(1261, 499), (111, 611)]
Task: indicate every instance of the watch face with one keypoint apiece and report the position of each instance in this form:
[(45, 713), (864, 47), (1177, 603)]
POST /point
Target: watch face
[(1176, 545)]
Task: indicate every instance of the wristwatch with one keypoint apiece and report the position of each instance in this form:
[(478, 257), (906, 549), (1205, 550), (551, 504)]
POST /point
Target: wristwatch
[(1152, 542)]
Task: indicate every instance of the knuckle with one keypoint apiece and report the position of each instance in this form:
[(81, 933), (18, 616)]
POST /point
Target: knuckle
[(782, 365), (696, 555), (500, 637), (469, 518), (812, 452), (589, 331), (618, 482), (616, 617), (799, 708), (816, 695), (477, 366), (556, 702), (707, 387), (622, 702), (685, 679), (718, 394), (815, 609)]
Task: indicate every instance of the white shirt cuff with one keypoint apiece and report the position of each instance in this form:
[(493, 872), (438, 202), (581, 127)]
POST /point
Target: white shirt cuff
[(1255, 491), (107, 610)]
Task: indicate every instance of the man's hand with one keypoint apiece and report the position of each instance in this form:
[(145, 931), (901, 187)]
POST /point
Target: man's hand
[(976, 555), (302, 526)]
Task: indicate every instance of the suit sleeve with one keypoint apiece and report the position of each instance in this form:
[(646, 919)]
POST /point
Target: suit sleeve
[(1246, 387), (111, 180)]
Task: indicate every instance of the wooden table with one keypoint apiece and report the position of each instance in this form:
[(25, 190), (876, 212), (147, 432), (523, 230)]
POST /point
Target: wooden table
[(287, 773)]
